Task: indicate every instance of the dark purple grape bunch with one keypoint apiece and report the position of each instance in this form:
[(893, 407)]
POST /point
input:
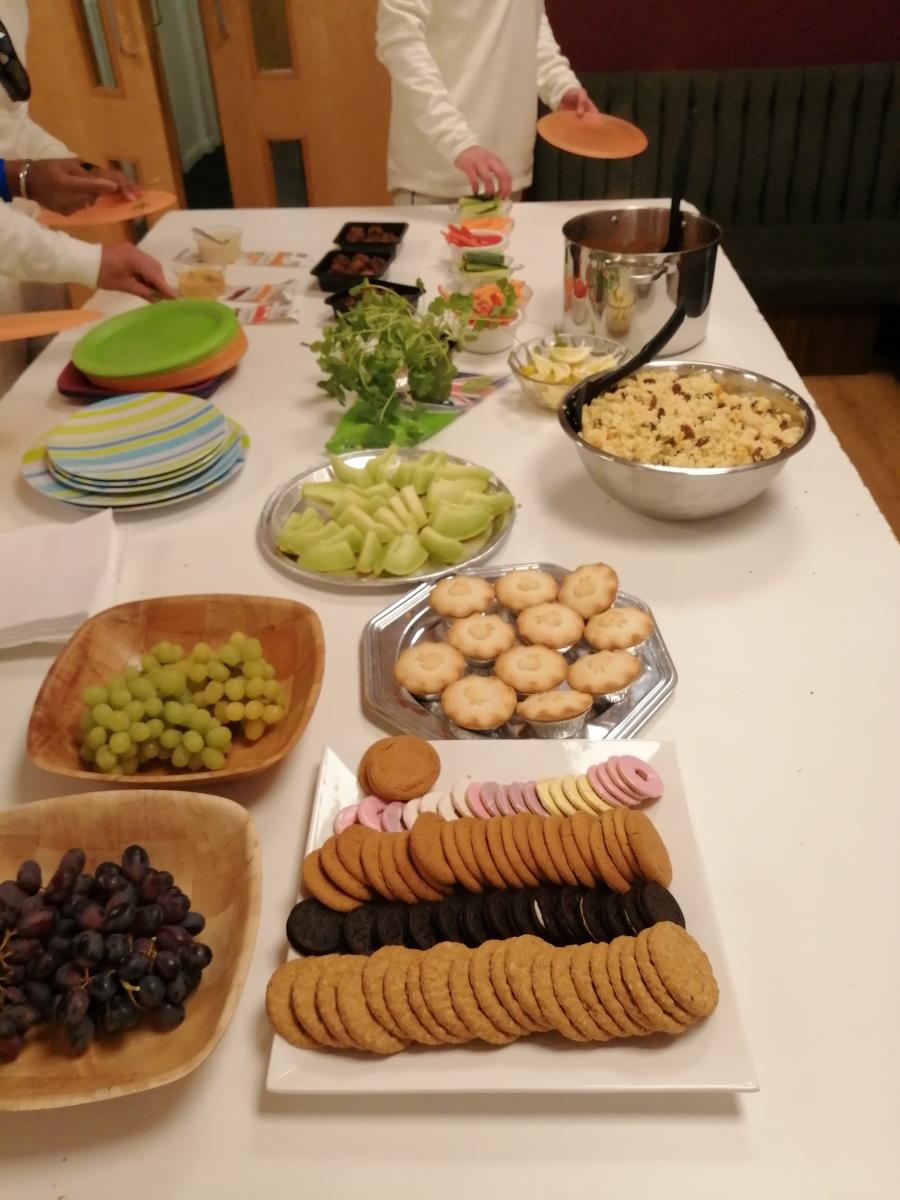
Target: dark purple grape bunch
[(95, 953)]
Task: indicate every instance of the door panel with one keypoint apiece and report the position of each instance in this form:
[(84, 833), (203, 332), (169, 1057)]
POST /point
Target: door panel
[(303, 102), (76, 48)]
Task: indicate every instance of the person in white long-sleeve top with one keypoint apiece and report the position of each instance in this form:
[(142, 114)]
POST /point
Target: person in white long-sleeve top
[(37, 169), (465, 80)]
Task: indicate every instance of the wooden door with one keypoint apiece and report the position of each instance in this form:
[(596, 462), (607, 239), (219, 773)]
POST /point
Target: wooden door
[(97, 85), (303, 102)]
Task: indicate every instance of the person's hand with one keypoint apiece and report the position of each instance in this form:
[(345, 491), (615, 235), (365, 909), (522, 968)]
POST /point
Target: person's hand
[(125, 268), (578, 101), (485, 171), (65, 185)]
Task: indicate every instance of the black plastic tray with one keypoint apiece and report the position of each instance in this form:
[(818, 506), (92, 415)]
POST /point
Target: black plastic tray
[(335, 281), (398, 228), (408, 291)]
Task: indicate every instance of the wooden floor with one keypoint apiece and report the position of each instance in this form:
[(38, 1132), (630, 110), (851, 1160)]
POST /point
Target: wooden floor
[(864, 412)]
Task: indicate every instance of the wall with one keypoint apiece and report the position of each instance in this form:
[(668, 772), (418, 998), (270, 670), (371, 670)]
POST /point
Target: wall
[(622, 35), (186, 69)]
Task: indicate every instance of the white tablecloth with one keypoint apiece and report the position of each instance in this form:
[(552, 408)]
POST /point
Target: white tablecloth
[(782, 620)]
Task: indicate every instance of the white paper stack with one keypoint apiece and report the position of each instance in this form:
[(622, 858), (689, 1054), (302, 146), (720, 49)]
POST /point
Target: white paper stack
[(53, 577)]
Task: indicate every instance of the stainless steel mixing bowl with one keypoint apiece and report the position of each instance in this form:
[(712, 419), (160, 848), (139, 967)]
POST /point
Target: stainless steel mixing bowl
[(688, 493), (618, 283)]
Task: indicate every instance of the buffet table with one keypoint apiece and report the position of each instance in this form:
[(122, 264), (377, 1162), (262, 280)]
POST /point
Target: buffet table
[(782, 620)]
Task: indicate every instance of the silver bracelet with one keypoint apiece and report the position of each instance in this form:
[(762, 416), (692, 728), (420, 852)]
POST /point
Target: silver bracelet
[(23, 181)]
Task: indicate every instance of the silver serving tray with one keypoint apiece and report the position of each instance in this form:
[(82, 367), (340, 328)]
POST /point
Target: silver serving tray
[(410, 619), (288, 499)]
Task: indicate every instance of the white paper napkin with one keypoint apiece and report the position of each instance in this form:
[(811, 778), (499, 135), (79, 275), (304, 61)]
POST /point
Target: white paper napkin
[(53, 577)]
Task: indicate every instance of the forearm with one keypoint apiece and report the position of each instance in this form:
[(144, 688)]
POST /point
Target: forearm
[(554, 75), (401, 46), (30, 252)]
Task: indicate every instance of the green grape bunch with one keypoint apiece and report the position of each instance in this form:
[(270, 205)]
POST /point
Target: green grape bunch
[(180, 709)]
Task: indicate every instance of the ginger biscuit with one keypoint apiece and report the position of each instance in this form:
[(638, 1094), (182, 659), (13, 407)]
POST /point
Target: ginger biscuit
[(338, 874), (541, 978), (417, 1003), (480, 978), (348, 846), (316, 883), (524, 873), (599, 964), (580, 965), (580, 828), (567, 996), (614, 849), (467, 1007), (504, 993), (654, 984), (683, 968), (391, 871), (606, 868), (303, 1000), (538, 843), (623, 994), (396, 997), (483, 856), (455, 860), (402, 767), (434, 978), (355, 1015), (370, 858), (497, 851), (426, 849), (519, 826), (278, 1005), (333, 967), (421, 888), (648, 848), (618, 824), (583, 868), (658, 1018), (374, 968), (517, 959), (552, 829), (463, 832)]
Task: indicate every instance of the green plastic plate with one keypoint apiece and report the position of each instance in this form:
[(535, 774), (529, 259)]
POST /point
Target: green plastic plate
[(157, 337)]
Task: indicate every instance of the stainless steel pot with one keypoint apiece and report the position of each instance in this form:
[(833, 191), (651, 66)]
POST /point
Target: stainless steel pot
[(618, 283)]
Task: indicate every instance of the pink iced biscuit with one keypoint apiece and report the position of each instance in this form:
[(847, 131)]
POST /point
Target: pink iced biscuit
[(445, 808), (345, 818), (504, 803), (369, 812), (602, 791), (473, 799), (613, 789), (529, 791), (612, 767), (392, 817), (640, 776), (493, 798), (515, 794)]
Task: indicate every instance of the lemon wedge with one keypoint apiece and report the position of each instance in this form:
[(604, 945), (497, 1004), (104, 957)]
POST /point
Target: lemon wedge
[(572, 355), (543, 367)]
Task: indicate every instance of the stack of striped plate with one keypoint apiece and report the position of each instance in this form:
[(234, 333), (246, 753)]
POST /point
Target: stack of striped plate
[(137, 452)]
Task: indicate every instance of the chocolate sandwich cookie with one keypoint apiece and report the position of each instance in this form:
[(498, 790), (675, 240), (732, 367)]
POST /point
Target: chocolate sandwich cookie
[(521, 912), (314, 929), (497, 915), (361, 929), (546, 905), (474, 925), (629, 905), (448, 919), (592, 915), (613, 917), (391, 925), (420, 923), (570, 915), (657, 903)]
